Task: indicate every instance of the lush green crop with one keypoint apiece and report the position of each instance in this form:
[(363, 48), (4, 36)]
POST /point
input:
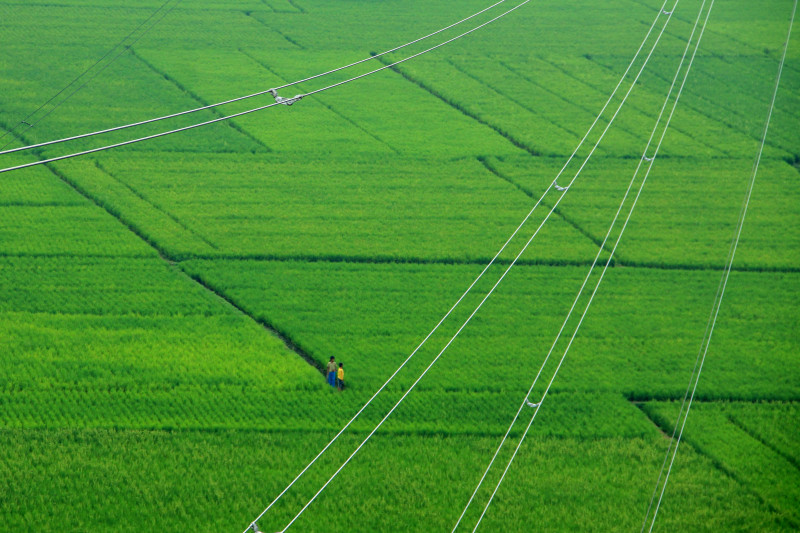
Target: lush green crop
[(742, 454), (66, 230), (101, 287), (261, 207), (677, 222), (39, 187), (640, 338), (775, 425), (126, 480), (142, 385)]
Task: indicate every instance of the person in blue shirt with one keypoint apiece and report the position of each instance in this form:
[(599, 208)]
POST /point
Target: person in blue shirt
[(332, 372)]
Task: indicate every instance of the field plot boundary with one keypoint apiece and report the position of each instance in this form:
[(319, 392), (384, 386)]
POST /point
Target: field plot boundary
[(158, 208), (719, 466), (702, 112), (777, 145), (595, 240), (721, 35), (410, 260), (511, 99), (764, 442), (633, 105), (318, 98), (433, 92), (545, 88), (276, 30), (283, 336), (165, 256), (665, 427), (108, 209), (188, 92)]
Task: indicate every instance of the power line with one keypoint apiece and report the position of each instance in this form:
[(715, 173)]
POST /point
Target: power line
[(436, 327), (394, 49), (424, 51), (652, 26), (288, 101), (28, 118), (701, 356), (530, 213), (240, 98), (133, 141), (486, 297), (651, 161)]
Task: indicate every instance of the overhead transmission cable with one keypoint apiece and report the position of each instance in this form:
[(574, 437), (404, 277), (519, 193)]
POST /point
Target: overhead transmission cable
[(133, 141), (574, 303), (30, 122), (259, 93), (408, 391), (651, 161), (282, 102), (717, 304), (491, 262)]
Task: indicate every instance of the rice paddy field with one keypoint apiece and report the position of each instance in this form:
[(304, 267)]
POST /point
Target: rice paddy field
[(167, 307)]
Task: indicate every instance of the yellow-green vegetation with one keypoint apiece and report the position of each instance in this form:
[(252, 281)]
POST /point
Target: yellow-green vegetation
[(166, 308)]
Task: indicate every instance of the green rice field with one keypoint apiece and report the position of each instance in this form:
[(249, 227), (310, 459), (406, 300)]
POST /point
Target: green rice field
[(167, 308)]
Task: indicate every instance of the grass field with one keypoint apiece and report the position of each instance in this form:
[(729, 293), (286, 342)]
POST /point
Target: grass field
[(166, 308)]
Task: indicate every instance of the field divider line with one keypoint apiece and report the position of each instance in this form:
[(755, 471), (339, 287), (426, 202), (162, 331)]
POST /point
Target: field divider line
[(595, 240), (458, 261), (464, 111), (283, 336), (556, 95), (463, 71), (117, 215), (651, 160), (394, 260), (297, 6), (687, 134), (196, 97), (721, 398), (700, 111), (325, 105), (713, 75), (249, 14), (727, 36), (267, 6), (726, 471), (635, 107), (158, 208), (760, 439), (641, 407)]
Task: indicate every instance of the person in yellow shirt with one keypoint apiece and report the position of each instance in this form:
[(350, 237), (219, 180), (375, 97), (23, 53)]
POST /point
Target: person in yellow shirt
[(340, 376)]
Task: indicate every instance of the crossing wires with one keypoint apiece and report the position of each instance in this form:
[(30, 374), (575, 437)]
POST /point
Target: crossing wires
[(650, 161), (485, 298), (272, 91), (694, 379)]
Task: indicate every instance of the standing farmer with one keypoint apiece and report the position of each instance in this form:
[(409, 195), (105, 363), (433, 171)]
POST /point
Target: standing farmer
[(332, 372)]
